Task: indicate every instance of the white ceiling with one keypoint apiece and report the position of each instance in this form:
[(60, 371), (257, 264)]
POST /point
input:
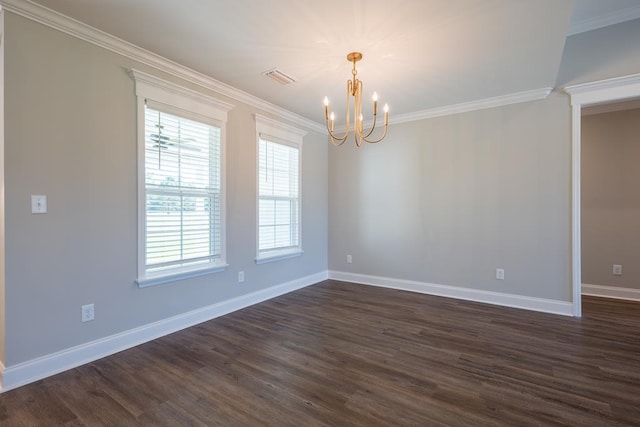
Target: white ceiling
[(418, 54)]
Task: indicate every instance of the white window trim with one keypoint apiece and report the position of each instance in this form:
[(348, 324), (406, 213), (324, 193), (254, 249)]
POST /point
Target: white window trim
[(292, 136), (188, 102)]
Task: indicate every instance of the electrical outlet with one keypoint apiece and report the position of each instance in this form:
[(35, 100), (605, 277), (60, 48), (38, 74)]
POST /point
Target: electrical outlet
[(617, 270), (240, 276), (500, 273), (88, 312), (349, 259), (38, 204)]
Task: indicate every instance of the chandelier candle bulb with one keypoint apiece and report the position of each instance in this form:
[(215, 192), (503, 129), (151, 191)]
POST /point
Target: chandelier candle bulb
[(386, 115), (326, 107), (375, 103)]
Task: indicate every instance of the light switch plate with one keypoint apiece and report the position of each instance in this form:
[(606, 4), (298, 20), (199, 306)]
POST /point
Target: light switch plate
[(38, 204)]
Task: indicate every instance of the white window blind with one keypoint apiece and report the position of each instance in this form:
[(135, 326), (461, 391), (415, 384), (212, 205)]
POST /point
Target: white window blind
[(278, 201), (182, 193)]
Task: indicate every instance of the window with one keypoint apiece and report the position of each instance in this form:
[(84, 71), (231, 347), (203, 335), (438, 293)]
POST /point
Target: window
[(279, 148), (182, 187), (181, 191), (278, 203)]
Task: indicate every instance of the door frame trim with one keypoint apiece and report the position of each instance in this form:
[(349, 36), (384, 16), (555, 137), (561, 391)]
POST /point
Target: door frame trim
[(583, 95)]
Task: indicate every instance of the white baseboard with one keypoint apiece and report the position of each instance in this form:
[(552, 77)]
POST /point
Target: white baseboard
[(33, 370), (496, 298), (611, 292)]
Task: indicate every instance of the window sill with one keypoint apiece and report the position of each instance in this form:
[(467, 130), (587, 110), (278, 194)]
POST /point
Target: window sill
[(278, 255), (173, 277)]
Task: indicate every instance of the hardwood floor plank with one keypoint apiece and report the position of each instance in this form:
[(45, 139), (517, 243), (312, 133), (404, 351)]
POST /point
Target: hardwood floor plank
[(31, 405), (353, 355)]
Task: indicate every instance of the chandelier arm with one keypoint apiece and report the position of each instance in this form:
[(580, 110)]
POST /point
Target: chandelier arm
[(344, 137), (379, 139), (338, 138), (372, 127), (335, 142), (335, 139), (362, 123)]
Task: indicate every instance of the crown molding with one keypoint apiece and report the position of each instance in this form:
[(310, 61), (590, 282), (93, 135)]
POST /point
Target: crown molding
[(602, 84), (80, 30), (75, 28), (481, 104), (611, 18), (618, 88)]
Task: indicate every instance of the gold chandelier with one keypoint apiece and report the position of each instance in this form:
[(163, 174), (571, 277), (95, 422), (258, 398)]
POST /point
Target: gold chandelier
[(354, 89)]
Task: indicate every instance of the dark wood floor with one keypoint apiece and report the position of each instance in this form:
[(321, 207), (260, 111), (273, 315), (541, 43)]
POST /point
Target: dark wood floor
[(339, 354)]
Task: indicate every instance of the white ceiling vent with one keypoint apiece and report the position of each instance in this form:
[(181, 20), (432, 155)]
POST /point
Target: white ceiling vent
[(279, 76)]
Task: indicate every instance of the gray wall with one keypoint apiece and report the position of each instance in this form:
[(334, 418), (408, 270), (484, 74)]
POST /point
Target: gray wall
[(611, 198), (450, 199), (71, 134)]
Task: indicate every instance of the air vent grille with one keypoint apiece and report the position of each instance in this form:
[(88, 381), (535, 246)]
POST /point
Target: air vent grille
[(279, 76)]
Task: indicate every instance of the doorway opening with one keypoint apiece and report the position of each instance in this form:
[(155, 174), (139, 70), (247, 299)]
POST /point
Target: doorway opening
[(584, 96)]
